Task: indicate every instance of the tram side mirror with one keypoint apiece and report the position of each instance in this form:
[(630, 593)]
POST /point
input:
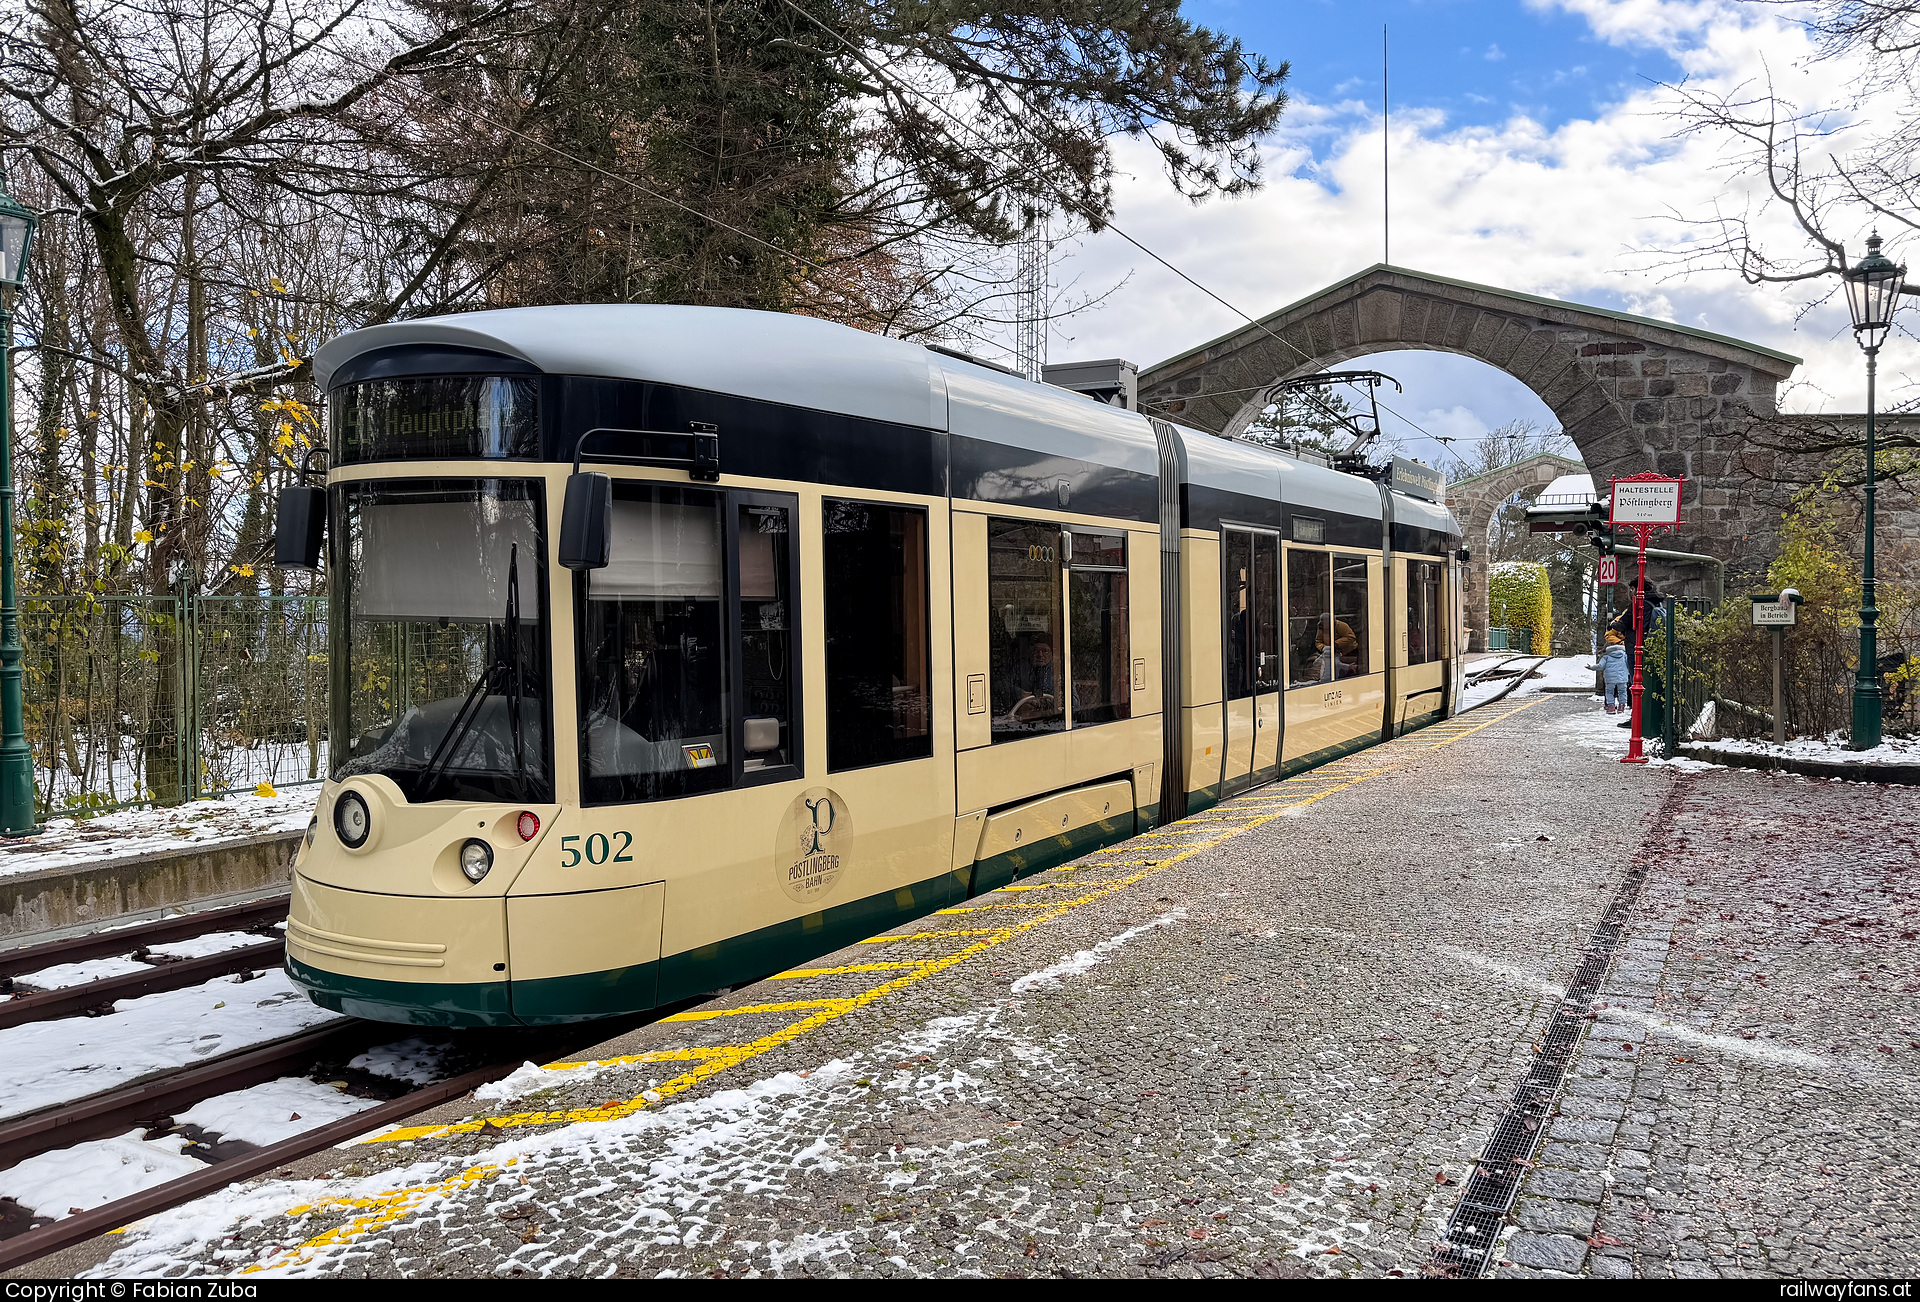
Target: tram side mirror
[(586, 522), (299, 527)]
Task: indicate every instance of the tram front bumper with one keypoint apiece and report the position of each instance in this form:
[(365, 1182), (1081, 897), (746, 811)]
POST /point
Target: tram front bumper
[(396, 958)]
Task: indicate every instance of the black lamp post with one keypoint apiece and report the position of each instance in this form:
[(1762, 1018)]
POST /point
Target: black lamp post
[(16, 758), (1873, 288)]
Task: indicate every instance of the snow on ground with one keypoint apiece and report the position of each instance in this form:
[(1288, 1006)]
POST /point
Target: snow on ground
[(529, 1078), (1830, 750), (1597, 730), (45, 1063), (416, 1060), (217, 942), (78, 974), (275, 1110), (1086, 959), (1559, 672), (87, 843), (83, 1177)]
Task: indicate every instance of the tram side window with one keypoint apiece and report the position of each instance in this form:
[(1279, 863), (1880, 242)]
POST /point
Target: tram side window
[(654, 718), (878, 665), (1350, 616), (1239, 606), (1097, 603), (1266, 624), (1310, 630), (1024, 600), (766, 636), (1423, 613)]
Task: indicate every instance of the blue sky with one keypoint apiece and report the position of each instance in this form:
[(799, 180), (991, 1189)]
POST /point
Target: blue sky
[(1480, 61), (1533, 149)]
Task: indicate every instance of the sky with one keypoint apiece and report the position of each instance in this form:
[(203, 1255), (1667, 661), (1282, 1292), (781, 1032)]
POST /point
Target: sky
[(1532, 148)]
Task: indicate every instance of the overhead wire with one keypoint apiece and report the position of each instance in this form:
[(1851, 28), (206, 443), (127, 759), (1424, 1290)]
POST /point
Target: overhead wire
[(899, 84), (1074, 205), (476, 115)]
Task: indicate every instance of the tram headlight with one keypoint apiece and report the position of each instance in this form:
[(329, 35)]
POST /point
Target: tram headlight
[(351, 820), (313, 825), (476, 858)]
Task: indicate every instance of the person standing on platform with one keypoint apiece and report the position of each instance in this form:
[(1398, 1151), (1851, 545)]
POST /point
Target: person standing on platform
[(1616, 672), (1635, 634)]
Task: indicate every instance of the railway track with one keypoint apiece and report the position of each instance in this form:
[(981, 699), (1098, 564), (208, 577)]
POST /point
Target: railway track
[(163, 973), (152, 1103), (1519, 676)]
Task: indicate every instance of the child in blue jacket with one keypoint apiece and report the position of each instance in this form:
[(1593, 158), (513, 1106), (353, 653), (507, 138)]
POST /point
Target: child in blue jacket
[(1616, 670)]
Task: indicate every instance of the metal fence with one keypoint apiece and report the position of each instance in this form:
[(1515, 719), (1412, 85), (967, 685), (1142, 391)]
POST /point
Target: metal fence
[(1680, 676), (157, 699)]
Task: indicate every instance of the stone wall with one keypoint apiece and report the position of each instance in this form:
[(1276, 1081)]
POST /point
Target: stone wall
[(1634, 394)]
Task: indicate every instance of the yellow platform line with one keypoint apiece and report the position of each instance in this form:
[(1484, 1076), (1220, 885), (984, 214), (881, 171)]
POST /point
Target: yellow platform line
[(799, 972), (931, 935), (383, 1209), (796, 1006), (1022, 904), (651, 1055)]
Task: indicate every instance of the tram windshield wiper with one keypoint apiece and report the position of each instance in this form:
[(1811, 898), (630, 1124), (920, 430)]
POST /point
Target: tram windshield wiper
[(504, 668)]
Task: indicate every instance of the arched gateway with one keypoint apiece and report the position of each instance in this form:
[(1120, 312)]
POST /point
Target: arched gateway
[(1633, 393)]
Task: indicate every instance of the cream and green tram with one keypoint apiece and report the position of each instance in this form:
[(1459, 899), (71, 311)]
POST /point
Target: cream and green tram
[(673, 646), (1319, 612)]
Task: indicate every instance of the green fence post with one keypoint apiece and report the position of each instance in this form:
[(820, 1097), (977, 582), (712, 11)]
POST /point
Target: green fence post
[(1670, 726)]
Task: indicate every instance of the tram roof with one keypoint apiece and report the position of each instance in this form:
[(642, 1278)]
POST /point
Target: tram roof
[(1253, 470), (778, 357)]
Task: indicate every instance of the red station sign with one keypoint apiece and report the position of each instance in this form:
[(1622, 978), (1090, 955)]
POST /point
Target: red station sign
[(1644, 503)]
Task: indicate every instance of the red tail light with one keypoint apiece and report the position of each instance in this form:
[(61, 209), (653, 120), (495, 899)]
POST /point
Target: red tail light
[(529, 825)]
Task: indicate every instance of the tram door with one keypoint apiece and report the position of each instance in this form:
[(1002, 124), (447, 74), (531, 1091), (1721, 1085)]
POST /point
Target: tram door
[(1251, 605)]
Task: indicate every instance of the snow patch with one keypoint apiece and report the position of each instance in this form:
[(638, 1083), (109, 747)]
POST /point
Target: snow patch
[(71, 1057), (67, 975), (87, 843), (217, 942), (1086, 959), (270, 1112), (531, 1078), (88, 1175), (1830, 750), (416, 1060)]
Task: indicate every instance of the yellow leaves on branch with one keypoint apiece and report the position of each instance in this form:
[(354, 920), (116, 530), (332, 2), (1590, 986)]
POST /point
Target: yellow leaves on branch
[(143, 536)]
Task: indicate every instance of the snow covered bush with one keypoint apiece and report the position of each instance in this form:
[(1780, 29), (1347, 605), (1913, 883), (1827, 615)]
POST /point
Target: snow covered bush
[(1518, 596)]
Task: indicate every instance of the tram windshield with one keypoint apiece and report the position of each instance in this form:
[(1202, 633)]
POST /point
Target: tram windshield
[(440, 661)]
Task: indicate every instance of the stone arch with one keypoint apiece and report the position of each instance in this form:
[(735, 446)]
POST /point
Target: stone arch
[(1473, 502), (1632, 393)]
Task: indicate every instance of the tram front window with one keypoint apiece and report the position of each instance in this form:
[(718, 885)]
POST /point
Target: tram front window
[(439, 645)]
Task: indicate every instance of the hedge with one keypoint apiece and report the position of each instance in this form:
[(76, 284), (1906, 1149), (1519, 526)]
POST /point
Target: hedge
[(1518, 596)]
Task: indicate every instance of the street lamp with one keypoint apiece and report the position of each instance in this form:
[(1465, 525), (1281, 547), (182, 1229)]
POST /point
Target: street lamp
[(1873, 288), (16, 758)]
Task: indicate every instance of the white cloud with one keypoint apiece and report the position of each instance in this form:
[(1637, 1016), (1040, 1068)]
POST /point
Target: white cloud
[(1560, 212)]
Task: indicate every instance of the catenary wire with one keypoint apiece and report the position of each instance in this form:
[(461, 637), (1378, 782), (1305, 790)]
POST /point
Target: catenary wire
[(1072, 204)]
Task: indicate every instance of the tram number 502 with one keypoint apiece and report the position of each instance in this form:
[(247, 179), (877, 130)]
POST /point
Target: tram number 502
[(598, 849)]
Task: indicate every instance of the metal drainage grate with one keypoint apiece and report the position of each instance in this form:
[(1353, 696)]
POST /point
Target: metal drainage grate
[(1474, 1232)]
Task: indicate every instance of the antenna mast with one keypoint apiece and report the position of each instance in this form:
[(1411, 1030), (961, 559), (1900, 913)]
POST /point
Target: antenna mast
[(1030, 342), (1386, 163)]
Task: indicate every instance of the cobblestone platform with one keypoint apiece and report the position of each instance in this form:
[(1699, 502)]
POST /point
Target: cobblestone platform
[(1748, 1101), (1269, 1040)]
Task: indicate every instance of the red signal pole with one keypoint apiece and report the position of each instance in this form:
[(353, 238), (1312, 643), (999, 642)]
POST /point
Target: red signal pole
[(1649, 502)]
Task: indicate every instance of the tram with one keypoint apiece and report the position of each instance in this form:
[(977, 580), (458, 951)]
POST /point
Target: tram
[(672, 646)]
